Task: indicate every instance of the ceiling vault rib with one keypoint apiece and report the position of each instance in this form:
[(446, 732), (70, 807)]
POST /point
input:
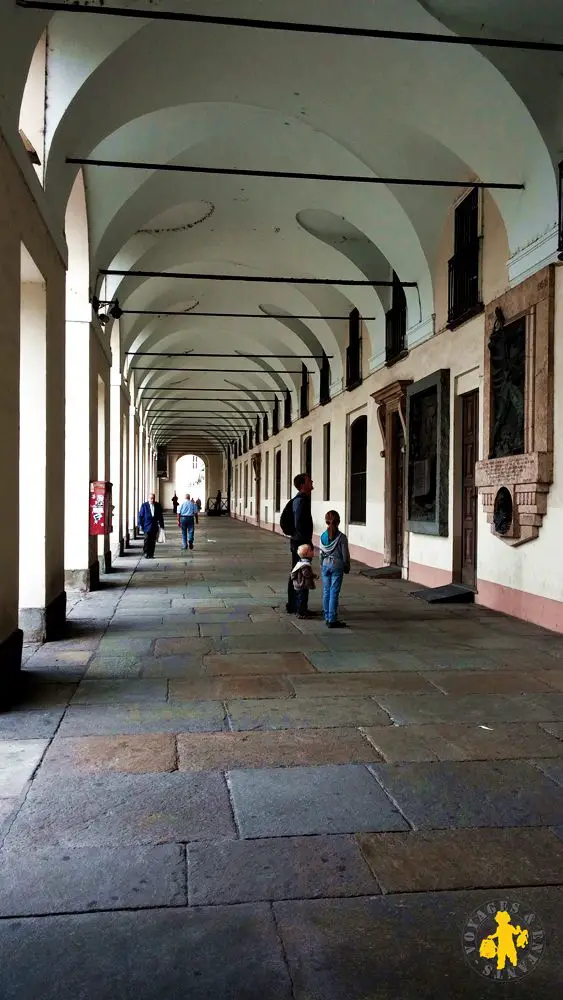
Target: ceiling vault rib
[(277, 279), (151, 14), (294, 174)]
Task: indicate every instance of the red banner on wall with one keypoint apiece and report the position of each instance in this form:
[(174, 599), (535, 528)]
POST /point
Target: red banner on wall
[(100, 508)]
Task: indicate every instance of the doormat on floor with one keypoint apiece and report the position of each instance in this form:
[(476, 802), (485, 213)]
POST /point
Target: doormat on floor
[(382, 573), (452, 593)]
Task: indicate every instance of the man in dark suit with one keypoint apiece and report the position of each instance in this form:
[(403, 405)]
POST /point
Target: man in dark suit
[(302, 534), (150, 520)]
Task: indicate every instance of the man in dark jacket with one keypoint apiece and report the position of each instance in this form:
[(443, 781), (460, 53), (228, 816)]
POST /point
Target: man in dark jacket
[(150, 519), (302, 533)]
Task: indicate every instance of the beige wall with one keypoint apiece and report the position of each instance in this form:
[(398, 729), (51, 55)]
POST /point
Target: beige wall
[(21, 222), (494, 270), (502, 571)]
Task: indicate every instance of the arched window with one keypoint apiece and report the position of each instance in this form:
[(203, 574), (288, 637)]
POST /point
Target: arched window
[(287, 409), (358, 469), (265, 428), (307, 458), (396, 324)]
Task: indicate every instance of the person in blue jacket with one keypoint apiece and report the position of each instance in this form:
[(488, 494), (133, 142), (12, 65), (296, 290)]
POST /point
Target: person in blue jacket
[(150, 519)]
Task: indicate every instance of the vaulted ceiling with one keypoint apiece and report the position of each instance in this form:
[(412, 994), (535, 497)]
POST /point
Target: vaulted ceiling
[(225, 96)]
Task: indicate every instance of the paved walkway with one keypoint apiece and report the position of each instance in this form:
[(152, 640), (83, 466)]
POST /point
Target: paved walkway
[(203, 798)]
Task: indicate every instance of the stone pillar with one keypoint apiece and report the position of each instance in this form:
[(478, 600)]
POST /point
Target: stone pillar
[(82, 571), (116, 463), (133, 467)]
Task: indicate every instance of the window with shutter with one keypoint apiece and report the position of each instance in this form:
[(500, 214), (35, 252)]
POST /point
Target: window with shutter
[(464, 294)]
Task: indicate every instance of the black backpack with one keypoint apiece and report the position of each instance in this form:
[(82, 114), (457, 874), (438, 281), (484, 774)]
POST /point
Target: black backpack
[(287, 519)]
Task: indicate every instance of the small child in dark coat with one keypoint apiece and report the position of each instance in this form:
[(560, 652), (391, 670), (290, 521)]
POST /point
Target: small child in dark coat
[(303, 577)]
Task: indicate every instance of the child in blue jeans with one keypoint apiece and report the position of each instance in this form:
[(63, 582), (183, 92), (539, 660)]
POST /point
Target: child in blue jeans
[(335, 562)]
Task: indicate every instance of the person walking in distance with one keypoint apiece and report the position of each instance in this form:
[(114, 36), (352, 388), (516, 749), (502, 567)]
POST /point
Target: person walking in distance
[(300, 532), (187, 517), (150, 519), (175, 502)]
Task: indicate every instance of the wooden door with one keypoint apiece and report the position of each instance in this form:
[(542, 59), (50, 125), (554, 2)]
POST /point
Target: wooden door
[(470, 455), (398, 491)]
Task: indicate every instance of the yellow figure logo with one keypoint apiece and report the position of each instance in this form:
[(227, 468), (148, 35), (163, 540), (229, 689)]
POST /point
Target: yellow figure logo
[(503, 939), (503, 943)]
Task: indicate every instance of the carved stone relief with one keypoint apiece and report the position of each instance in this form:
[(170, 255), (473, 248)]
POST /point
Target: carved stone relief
[(518, 409)]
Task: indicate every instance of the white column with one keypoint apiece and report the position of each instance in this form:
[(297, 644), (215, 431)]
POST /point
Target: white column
[(78, 554), (116, 462), (133, 508), (33, 459)]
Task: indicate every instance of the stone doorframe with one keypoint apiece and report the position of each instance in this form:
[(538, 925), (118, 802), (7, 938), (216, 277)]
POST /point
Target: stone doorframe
[(257, 468), (391, 399)]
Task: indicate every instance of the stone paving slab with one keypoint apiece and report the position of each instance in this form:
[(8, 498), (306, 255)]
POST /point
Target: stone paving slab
[(29, 725), (350, 662), (8, 810), (18, 761), (258, 663), (171, 666), (182, 647), (328, 685), (68, 880), (552, 678), (486, 682), (295, 801), (233, 628), (279, 868), (116, 810), (131, 754), (406, 946), (112, 692), (46, 656), (224, 688), (116, 667), (480, 709), (145, 717), (204, 954), (290, 643), (35, 694), (305, 713), (455, 794), (455, 741), (553, 728), (424, 861), (283, 748), (112, 646), (552, 768)]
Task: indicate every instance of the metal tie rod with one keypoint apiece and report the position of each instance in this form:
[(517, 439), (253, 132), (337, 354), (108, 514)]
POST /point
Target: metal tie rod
[(243, 355), (219, 371), (253, 277), (229, 315), (182, 168), (150, 14)]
